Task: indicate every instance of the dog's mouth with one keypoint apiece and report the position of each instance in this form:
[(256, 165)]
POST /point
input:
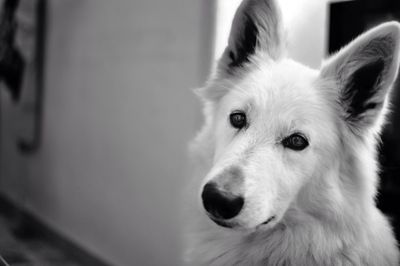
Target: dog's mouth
[(268, 220), (231, 224), (224, 223)]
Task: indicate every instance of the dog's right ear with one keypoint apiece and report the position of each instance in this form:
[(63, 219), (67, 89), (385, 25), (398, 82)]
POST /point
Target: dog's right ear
[(256, 26)]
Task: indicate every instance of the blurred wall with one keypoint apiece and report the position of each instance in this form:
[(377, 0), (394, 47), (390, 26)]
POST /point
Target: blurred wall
[(306, 26), (117, 117)]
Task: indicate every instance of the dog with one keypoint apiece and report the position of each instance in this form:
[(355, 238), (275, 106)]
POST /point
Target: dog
[(285, 169)]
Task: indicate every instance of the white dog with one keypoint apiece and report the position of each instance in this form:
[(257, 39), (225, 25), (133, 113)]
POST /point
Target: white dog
[(286, 168)]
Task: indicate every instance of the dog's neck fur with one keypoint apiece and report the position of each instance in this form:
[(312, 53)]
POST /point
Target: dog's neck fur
[(347, 231)]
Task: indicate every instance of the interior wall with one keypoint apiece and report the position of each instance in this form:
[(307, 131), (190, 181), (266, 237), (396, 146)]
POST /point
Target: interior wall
[(306, 23), (117, 117)]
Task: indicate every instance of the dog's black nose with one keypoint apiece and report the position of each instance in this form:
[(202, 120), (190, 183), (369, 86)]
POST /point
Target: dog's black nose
[(220, 204)]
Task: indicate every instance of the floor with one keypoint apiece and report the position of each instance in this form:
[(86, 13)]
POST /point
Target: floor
[(32, 251)]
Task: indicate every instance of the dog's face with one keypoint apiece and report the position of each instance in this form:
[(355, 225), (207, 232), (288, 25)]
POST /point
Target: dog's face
[(270, 131), (276, 125)]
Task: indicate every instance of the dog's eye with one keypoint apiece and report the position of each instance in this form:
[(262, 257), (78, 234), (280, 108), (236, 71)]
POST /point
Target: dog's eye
[(295, 142), (238, 119)]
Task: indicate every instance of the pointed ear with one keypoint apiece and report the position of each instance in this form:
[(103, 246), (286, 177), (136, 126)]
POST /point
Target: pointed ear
[(364, 71), (256, 26)]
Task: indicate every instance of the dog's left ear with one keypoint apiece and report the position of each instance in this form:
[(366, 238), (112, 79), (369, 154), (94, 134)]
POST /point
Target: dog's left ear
[(364, 71)]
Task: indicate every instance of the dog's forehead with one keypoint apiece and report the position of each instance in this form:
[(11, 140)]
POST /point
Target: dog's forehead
[(283, 79), (283, 82), (286, 93)]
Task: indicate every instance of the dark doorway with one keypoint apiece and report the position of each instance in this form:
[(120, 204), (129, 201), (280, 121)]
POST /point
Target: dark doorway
[(347, 20)]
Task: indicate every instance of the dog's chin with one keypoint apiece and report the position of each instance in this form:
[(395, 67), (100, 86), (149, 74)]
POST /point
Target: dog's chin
[(225, 224), (268, 223)]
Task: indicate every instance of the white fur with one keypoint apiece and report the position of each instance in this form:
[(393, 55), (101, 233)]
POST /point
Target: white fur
[(324, 196)]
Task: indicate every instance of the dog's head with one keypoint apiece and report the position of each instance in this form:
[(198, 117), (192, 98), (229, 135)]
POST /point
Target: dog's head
[(273, 126)]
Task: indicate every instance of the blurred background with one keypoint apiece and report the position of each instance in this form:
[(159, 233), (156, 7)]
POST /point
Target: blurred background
[(96, 111)]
